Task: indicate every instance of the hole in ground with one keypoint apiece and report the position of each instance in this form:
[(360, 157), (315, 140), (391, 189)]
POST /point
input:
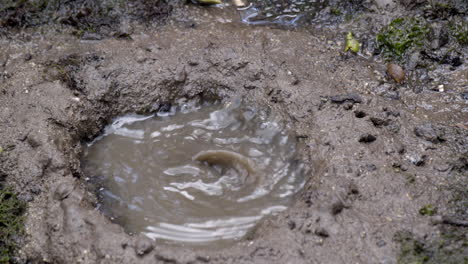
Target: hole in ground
[(198, 173)]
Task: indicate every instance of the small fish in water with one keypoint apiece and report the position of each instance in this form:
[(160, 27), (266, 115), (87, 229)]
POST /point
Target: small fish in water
[(229, 159)]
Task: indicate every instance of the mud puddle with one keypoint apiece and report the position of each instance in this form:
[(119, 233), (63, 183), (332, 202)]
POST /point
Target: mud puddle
[(197, 174), (288, 13)]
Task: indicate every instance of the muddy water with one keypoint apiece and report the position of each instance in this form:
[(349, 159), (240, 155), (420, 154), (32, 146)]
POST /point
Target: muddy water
[(281, 12), (197, 173)]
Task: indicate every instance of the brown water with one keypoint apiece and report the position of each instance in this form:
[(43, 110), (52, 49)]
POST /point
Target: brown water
[(195, 174)]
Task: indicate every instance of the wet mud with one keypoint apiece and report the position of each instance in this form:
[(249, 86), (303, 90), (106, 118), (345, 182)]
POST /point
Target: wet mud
[(386, 160)]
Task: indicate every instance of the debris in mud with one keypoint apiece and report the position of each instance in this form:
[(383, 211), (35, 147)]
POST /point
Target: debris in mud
[(428, 210)]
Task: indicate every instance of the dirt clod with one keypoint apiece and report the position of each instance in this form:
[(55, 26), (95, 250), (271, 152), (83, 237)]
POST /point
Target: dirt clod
[(367, 138), (143, 246)]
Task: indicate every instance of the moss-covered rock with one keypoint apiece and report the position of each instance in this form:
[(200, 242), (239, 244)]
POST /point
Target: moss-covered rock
[(450, 248), (459, 30), (11, 223), (401, 36)]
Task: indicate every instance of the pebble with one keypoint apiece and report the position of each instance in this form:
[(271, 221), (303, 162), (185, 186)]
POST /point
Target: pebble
[(321, 232), (396, 72), (143, 246), (429, 133), (63, 190), (367, 138)]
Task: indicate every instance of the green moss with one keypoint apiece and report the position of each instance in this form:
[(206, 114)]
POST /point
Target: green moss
[(428, 210), (400, 36), (459, 30), (448, 249), (335, 11), (11, 223)]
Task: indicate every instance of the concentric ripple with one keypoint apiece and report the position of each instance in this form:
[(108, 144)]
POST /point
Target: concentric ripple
[(195, 174)]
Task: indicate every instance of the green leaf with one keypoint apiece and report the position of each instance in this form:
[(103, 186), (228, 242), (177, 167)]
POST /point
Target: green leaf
[(351, 43)]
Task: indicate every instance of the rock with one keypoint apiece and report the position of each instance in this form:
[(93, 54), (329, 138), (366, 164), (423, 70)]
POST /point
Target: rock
[(165, 107), (417, 160), (348, 105), (27, 57), (91, 36), (388, 91), (25, 197), (378, 122), (291, 224), (381, 243), (429, 133), (320, 231), (396, 72), (367, 138), (63, 190), (143, 246), (33, 141), (464, 95), (35, 190), (339, 99)]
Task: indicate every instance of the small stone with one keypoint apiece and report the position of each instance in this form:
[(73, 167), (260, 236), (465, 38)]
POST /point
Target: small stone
[(26, 197), (35, 190), (348, 105), (321, 232), (381, 243), (91, 36), (339, 99), (367, 138), (165, 107), (429, 133), (204, 259), (291, 224), (63, 191), (32, 141), (27, 57), (396, 72), (417, 160), (378, 122), (143, 246)]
